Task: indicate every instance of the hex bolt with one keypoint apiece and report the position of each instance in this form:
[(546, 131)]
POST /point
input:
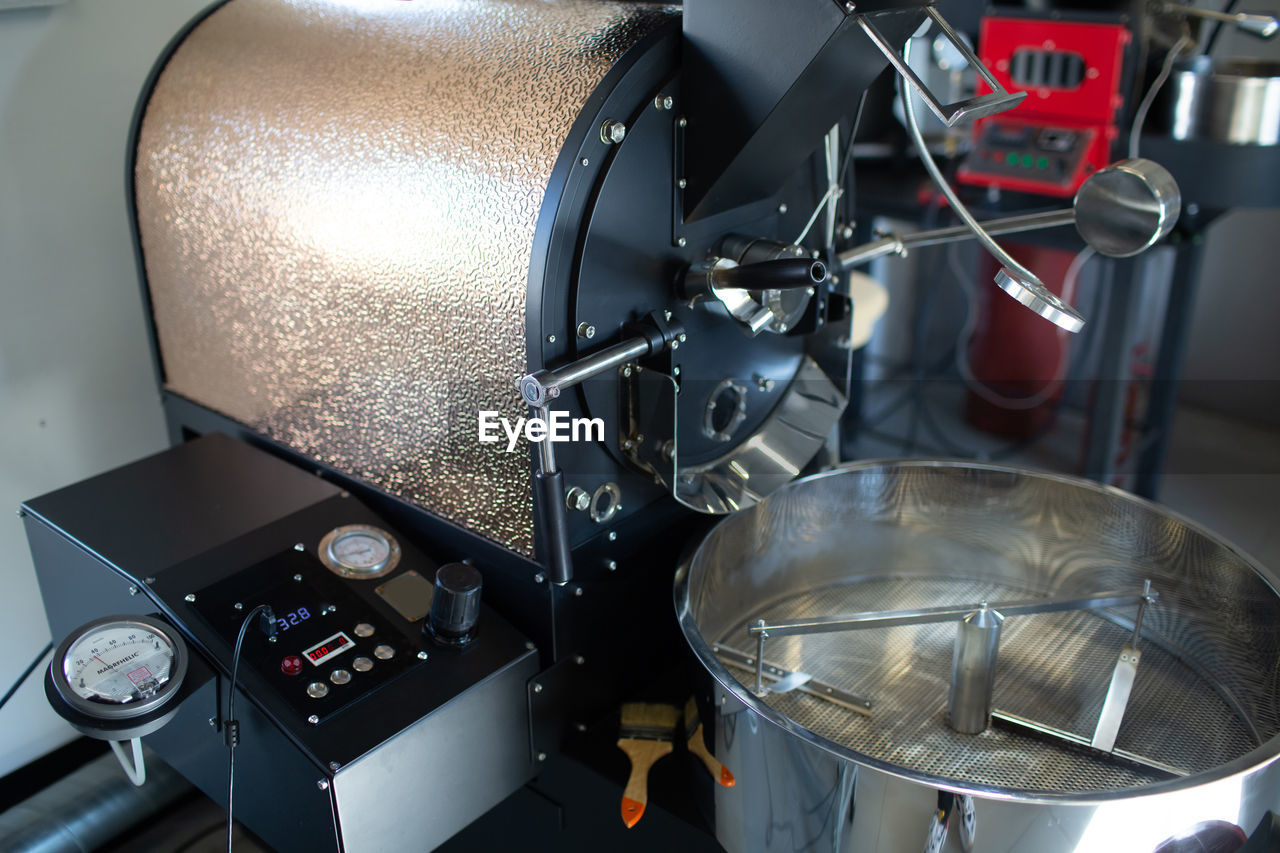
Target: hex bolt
[(539, 578), (578, 498), (133, 590), (238, 606), (190, 598), (213, 722), (577, 591), (684, 122), (551, 339), (423, 655), (682, 337), (664, 102), (333, 765), (782, 208), (613, 536), (542, 756), (682, 183), (313, 719), (537, 688), (299, 547), (586, 330), (626, 371), (322, 784), (846, 232), (579, 660), (612, 132), (298, 578), (682, 242), (611, 565), (586, 162)]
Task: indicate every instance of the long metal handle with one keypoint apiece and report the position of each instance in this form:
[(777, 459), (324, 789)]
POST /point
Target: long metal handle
[(1262, 26), (895, 244), (997, 100), (539, 388), (926, 615)]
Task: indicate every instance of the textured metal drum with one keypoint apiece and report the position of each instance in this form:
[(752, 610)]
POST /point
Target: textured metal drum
[(337, 204), (905, 535)]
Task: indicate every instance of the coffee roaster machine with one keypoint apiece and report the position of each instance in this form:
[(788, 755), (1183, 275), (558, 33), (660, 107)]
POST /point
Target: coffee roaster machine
[(367, 230)]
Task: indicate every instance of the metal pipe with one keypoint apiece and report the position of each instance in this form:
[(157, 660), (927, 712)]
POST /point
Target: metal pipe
[(539, 388), (1262, 26), (894, 244), (973, 671), (927, 615), (88, 807)]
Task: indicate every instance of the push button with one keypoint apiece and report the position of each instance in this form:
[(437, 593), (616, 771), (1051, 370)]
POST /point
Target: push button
[(362, 664), (364, 629), (340, 676), (384, 652), (317, 690), (291, 664)]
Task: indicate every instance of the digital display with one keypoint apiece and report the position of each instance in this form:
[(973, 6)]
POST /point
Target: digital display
[(293, 617), (325, 649)]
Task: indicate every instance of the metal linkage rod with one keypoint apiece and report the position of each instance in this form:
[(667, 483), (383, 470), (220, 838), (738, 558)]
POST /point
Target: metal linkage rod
[(894, 244), (926, 615), (539, 388)]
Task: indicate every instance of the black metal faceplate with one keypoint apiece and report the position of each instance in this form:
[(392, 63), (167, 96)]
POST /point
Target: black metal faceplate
[(311, 605), (138, 521)]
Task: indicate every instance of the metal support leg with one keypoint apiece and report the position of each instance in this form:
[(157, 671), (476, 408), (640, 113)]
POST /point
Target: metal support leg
[(1163, 400), (1107, 415)]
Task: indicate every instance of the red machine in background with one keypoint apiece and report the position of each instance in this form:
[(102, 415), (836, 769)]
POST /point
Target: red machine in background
[(1073, 73)]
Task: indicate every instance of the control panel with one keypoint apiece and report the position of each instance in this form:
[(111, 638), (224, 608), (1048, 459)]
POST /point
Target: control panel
[(331, 647), (1074, 74), (1034, 157)]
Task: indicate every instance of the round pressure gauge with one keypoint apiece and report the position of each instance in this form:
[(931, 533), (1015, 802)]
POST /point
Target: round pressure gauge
[(359, 551), (117, 669)]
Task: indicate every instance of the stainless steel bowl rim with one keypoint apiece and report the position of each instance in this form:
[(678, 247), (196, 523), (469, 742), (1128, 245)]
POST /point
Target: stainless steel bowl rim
[(1258, 758)]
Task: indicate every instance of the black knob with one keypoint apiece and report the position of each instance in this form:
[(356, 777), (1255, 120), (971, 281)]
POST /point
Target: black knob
[(455, 605)]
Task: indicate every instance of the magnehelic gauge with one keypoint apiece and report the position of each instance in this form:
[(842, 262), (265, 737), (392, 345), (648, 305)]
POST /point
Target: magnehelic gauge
[(116, 677)]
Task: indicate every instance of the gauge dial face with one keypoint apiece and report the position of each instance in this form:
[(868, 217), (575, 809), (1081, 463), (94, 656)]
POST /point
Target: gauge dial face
[(120, 666), (359, 551), (118, 662)]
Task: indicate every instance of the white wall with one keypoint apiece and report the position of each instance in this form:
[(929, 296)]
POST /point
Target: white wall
[(77, 390)]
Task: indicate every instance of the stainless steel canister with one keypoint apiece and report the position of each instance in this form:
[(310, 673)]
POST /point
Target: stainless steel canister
[(815, 772)]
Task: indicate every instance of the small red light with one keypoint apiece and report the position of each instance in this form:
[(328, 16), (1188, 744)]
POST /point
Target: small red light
[(291, 665)]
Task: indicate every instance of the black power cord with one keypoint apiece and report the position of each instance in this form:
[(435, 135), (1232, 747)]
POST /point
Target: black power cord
[(231, 728), (26, 674)]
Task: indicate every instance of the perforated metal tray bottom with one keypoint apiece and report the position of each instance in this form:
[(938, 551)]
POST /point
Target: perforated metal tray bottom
[(1053, 668)]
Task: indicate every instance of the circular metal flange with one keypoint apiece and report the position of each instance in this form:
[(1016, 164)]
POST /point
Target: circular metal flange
[(1041, 300), (1127, 208), (727, 393), (359, 551), (605, 503)]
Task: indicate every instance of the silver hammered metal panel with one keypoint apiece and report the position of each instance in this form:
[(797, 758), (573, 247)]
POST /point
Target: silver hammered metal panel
[(337, 204)]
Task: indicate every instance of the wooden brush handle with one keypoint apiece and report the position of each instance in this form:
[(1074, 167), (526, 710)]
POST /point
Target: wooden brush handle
[(718, 771), (643, 755)]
